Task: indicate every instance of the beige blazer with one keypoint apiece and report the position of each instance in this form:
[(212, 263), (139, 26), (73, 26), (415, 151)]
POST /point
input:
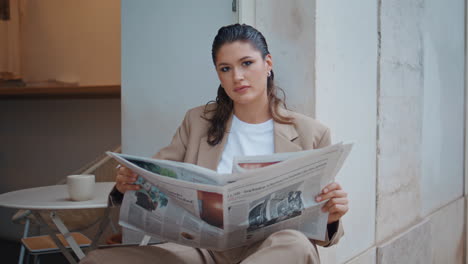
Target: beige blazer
[(190, 145)]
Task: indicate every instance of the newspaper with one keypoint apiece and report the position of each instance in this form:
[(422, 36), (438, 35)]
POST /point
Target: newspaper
[(197, 207)]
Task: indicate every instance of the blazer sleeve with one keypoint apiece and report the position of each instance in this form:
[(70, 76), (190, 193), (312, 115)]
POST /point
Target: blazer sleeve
[(334, 230), (174, 151), (177, 148), (334, 233), (325, 140)]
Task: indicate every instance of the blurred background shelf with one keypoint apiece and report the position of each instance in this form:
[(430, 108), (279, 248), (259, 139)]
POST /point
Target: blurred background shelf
[(28, 92)]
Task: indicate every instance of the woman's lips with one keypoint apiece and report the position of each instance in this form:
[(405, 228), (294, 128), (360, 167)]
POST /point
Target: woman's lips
[(241, 88)]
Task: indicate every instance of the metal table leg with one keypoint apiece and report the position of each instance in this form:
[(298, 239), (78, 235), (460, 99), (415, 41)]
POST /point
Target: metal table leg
[(102, 226), (25, 234), (66, 234), (54, 237), (146, 239)]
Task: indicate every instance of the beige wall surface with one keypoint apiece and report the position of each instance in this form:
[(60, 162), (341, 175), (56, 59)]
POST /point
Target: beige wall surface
[(9, 42), (71, 41), (3, 46)]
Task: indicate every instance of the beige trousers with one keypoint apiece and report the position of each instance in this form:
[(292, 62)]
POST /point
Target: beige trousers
[(286, 246)]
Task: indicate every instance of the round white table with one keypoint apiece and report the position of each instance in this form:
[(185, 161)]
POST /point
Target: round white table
[(55, 197)]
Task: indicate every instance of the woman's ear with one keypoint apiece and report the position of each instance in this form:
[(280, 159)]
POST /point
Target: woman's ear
[(269, 62)]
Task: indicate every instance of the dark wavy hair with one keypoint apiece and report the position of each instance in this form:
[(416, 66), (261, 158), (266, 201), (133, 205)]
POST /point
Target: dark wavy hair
[(223, 103)]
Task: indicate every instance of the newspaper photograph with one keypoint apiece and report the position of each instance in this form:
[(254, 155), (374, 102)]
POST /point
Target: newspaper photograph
[(195, 206)]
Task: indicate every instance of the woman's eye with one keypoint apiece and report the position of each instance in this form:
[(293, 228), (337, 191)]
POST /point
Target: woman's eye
[(247, 63), (224, 69)]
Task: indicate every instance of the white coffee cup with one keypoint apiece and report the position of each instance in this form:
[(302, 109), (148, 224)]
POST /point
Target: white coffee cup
[(81, 187)]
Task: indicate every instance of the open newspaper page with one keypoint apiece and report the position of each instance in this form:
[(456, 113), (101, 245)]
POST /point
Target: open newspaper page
[(169, 204), (278, 192), (194, 206), (244, 163)]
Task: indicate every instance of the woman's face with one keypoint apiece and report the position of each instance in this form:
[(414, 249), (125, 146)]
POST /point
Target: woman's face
[(243, 73)]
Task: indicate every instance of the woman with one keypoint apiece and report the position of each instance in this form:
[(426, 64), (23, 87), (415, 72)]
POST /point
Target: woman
[(247, 118)]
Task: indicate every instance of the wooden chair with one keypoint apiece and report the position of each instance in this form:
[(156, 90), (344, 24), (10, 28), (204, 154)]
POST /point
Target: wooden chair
[(40, 245)]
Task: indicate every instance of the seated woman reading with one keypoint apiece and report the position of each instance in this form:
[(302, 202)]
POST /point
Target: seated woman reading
[(247, 118)]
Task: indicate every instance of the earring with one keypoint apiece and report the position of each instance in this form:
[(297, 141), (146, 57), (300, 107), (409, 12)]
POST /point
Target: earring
[(269, 74)]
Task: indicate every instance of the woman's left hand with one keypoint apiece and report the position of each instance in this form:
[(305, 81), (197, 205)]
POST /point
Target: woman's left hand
[(337, 206)]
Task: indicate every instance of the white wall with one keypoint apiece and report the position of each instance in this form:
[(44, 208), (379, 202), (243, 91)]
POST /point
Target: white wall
[(466, 105), (421, 111), (166, 69), (291, 40), (466, 133), (401, 87), (166, 66), (443, 111), (325, 59), (421, 129), (71, 41), (346, 92)]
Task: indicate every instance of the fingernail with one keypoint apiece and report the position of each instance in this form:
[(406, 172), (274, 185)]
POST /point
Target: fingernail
[(325, 190), (318, 198)]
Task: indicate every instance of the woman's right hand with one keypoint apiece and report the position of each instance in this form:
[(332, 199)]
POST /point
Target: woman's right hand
[(125, 179)]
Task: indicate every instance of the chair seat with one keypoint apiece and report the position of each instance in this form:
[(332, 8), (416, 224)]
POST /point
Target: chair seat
[(38, 244)]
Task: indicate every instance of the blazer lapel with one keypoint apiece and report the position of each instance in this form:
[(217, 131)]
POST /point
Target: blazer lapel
[(285, 135), (209, 156)]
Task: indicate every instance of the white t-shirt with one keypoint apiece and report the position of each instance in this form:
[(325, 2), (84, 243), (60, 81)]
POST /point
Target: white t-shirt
[(246, 139)]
